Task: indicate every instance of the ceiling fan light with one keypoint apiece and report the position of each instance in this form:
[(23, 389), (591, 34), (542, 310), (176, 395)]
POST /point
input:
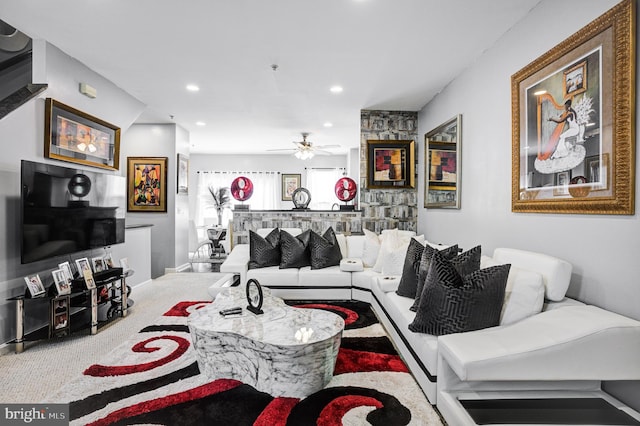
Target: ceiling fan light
[(298, 155)]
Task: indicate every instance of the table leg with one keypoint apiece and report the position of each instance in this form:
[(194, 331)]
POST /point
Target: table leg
[(123, 296), (19, 325), (94, 310)]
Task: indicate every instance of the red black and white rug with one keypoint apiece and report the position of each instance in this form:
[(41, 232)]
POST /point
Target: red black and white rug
[(154, 379)]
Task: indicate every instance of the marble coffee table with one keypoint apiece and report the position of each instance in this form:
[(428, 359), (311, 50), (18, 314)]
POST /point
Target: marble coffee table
[(285, 351)]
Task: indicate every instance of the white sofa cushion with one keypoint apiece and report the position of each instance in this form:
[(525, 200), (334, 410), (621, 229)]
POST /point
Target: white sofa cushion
[(331, 276), (363, 279), (426, 345), (556, 273), (583, 342), (524, 294), (274, 276)]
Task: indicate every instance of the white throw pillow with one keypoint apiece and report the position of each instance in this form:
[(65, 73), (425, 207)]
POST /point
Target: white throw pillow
[(524, 294), (393, 261), (371, 248), (342, 243), (394, 245)]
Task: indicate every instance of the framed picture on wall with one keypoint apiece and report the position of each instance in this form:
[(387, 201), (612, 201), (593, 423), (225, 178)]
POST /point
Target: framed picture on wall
[(77, 137), (147, 184), (290, 182), (390, 164), (183, 174), (573, 112)]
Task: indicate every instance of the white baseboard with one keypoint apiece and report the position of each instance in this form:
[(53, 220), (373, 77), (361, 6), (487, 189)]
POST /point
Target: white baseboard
[(185, 267)]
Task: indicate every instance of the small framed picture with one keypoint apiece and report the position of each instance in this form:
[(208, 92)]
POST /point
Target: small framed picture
[(124, 263), (59, 316), (290, 182), (108, 261), (66, 268), (98, 264), (85, 271), (61, 281), (34, 285)]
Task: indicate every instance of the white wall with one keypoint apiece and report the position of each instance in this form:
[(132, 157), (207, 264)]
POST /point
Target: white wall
[(22, 136), (260, 163), (603, 249), (169, 250)]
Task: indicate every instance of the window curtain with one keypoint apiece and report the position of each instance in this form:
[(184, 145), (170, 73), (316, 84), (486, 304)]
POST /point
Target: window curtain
[(265, 194), (321, 184)]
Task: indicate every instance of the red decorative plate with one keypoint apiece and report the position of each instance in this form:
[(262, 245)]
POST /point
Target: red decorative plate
[(241, 188), (345, 189)]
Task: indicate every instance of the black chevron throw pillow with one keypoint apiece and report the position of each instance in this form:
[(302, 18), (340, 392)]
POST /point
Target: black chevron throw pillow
[(453, 303), (423, 268), (325, 250), (409, 280), (295, 250), (264, 252)]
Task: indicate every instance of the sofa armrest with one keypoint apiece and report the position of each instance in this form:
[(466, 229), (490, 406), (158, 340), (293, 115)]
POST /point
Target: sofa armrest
[(237, 262), (571, 343)]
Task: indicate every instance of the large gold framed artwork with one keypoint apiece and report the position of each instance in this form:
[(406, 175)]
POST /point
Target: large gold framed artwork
[(573, 142)]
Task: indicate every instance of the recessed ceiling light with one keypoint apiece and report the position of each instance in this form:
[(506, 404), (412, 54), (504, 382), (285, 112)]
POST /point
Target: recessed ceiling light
[(336, 89), (328, 124), (200, 123), (192, 88)]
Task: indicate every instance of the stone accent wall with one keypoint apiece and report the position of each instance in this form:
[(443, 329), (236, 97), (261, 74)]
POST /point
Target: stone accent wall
[(388, 208), (316, 220)]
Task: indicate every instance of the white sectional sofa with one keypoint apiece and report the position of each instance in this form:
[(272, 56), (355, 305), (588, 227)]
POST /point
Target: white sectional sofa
[(546, 344)]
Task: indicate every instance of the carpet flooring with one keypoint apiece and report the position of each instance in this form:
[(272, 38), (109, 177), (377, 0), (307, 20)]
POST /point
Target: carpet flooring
[(153, 378)]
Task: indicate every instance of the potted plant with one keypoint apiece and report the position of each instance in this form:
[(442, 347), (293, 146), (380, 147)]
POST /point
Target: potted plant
[(221, 200)]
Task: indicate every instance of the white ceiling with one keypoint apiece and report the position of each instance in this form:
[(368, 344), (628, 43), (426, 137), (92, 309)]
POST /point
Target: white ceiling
[(386, 54)]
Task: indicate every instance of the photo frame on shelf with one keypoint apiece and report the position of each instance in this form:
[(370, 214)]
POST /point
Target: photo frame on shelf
[(390, 164), (84, 269), (124, 263), (183, 174), (66, 268), (61, 281), (290, 182), (98, 264), (108, 261), (147, 184), (77, 137), (34, 285), (574, 110), (59, 323), (442, 165)]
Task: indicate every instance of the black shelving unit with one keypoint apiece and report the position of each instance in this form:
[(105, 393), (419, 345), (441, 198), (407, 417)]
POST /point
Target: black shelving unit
[(83, 307)]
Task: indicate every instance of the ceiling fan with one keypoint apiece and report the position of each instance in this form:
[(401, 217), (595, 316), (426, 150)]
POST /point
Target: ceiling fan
[(305, 149)]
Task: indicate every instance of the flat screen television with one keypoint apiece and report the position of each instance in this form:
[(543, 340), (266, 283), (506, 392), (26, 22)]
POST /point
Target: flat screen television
[(66, 210)]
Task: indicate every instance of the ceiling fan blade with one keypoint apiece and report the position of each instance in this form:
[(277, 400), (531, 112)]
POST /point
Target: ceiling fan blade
[(283, 149), (321, 152), (327, 146)]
